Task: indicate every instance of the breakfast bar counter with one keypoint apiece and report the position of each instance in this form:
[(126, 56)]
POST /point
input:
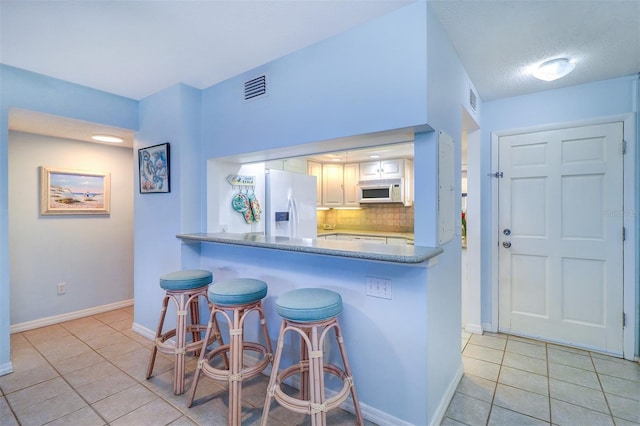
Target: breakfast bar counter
[(409, 254), (404, 338)]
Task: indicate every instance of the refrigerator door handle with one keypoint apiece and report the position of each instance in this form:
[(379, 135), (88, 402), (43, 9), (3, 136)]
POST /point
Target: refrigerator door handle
[(293, 213)]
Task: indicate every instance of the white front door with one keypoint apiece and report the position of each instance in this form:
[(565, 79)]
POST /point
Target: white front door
[(561, 236)]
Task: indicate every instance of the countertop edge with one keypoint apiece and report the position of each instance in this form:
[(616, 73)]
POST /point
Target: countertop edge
[(378, 252)]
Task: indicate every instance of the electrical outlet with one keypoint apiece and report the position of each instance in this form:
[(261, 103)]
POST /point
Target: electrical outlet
[(379, 287), (62, 288)]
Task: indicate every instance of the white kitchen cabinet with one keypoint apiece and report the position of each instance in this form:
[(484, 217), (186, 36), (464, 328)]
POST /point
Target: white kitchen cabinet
[(350, 181), (385, 169), (294, 165), (369, 239), (315, 169), (332, 185), (394, 240)]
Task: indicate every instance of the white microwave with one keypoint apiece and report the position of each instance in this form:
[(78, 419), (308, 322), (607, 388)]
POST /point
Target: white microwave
[(387, 191)]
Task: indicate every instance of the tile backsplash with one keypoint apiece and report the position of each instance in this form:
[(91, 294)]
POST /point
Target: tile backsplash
[(373, 217)]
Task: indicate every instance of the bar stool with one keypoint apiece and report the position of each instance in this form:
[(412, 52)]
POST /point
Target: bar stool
[(234, 299), (184, 288), (312, 313)]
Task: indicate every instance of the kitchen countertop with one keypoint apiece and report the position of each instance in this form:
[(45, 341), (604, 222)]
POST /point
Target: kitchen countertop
[(396, 253), (324, 232)]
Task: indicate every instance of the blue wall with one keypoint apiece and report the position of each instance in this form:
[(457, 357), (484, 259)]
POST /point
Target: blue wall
[(36, 92), (369, 79), (168, 116)]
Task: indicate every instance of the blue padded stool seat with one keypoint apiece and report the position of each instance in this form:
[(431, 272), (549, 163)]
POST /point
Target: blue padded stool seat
[(309, 304), (186, 279), (237, 291), (234, 300), (184, 288)]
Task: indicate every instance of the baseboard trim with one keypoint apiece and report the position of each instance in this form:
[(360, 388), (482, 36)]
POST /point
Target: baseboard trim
[(473, 328), (488, 327), (6, 368), (143, 331), (438, 416), (56, 319)]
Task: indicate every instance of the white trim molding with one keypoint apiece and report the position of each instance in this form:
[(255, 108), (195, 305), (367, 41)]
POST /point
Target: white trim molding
[(56, 319), (438, 416), (6, 368)]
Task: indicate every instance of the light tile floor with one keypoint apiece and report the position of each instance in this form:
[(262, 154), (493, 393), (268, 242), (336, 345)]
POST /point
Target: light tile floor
[(509, 380), (91, 371)]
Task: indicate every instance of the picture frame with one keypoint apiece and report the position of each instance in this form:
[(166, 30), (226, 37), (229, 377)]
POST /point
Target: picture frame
[(74, 192), (154, 169)]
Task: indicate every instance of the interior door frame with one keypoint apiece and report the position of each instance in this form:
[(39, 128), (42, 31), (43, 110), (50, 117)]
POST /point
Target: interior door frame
[(631, 284)]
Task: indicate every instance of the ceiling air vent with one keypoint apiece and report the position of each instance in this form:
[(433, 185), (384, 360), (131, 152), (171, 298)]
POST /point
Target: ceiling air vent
[(473, 100), (255, 88)]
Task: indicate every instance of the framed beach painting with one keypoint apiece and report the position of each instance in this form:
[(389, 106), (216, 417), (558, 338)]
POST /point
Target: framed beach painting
[(154, 169), (66, 191)]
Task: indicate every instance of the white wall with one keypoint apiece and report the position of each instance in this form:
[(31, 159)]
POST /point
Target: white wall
[(93, 255)]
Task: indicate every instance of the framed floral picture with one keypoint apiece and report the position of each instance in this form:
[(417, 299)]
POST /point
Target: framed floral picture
[(154, 169), (66, 191)]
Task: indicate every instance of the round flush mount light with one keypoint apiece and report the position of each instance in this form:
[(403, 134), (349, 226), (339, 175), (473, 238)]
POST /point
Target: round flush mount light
[(553, 69), (107, 138)]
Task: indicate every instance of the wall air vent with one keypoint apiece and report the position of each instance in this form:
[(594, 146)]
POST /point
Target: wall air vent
[(255, 88), (473, 100)]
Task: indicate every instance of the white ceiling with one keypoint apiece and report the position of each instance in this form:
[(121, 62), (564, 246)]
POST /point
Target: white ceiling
[(498, 40), (136, 48)]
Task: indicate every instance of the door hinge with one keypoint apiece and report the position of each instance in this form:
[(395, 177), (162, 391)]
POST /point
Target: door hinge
[(496, 174), (624, 233), (624, 319), (624, 147)]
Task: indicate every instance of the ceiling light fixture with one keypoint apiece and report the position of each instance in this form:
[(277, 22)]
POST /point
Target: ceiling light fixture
[(107, 138), (553, 69)]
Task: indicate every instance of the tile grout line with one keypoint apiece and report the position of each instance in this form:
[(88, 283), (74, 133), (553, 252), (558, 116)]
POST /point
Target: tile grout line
[(90, 405), (604, 394), (63, 378), (546, 351), (157, 395), (495, 389), (11, 410)]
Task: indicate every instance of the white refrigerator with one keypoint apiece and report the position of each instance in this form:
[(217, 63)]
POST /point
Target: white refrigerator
[(290, 209)]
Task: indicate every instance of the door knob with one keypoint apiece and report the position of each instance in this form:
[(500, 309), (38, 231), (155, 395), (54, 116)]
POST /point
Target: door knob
[(506, 244)]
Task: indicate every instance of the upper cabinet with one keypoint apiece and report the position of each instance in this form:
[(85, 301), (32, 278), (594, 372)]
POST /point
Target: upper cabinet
[(385, 169), (332, 185), (350, 183), (315, 169), (337, 183)]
